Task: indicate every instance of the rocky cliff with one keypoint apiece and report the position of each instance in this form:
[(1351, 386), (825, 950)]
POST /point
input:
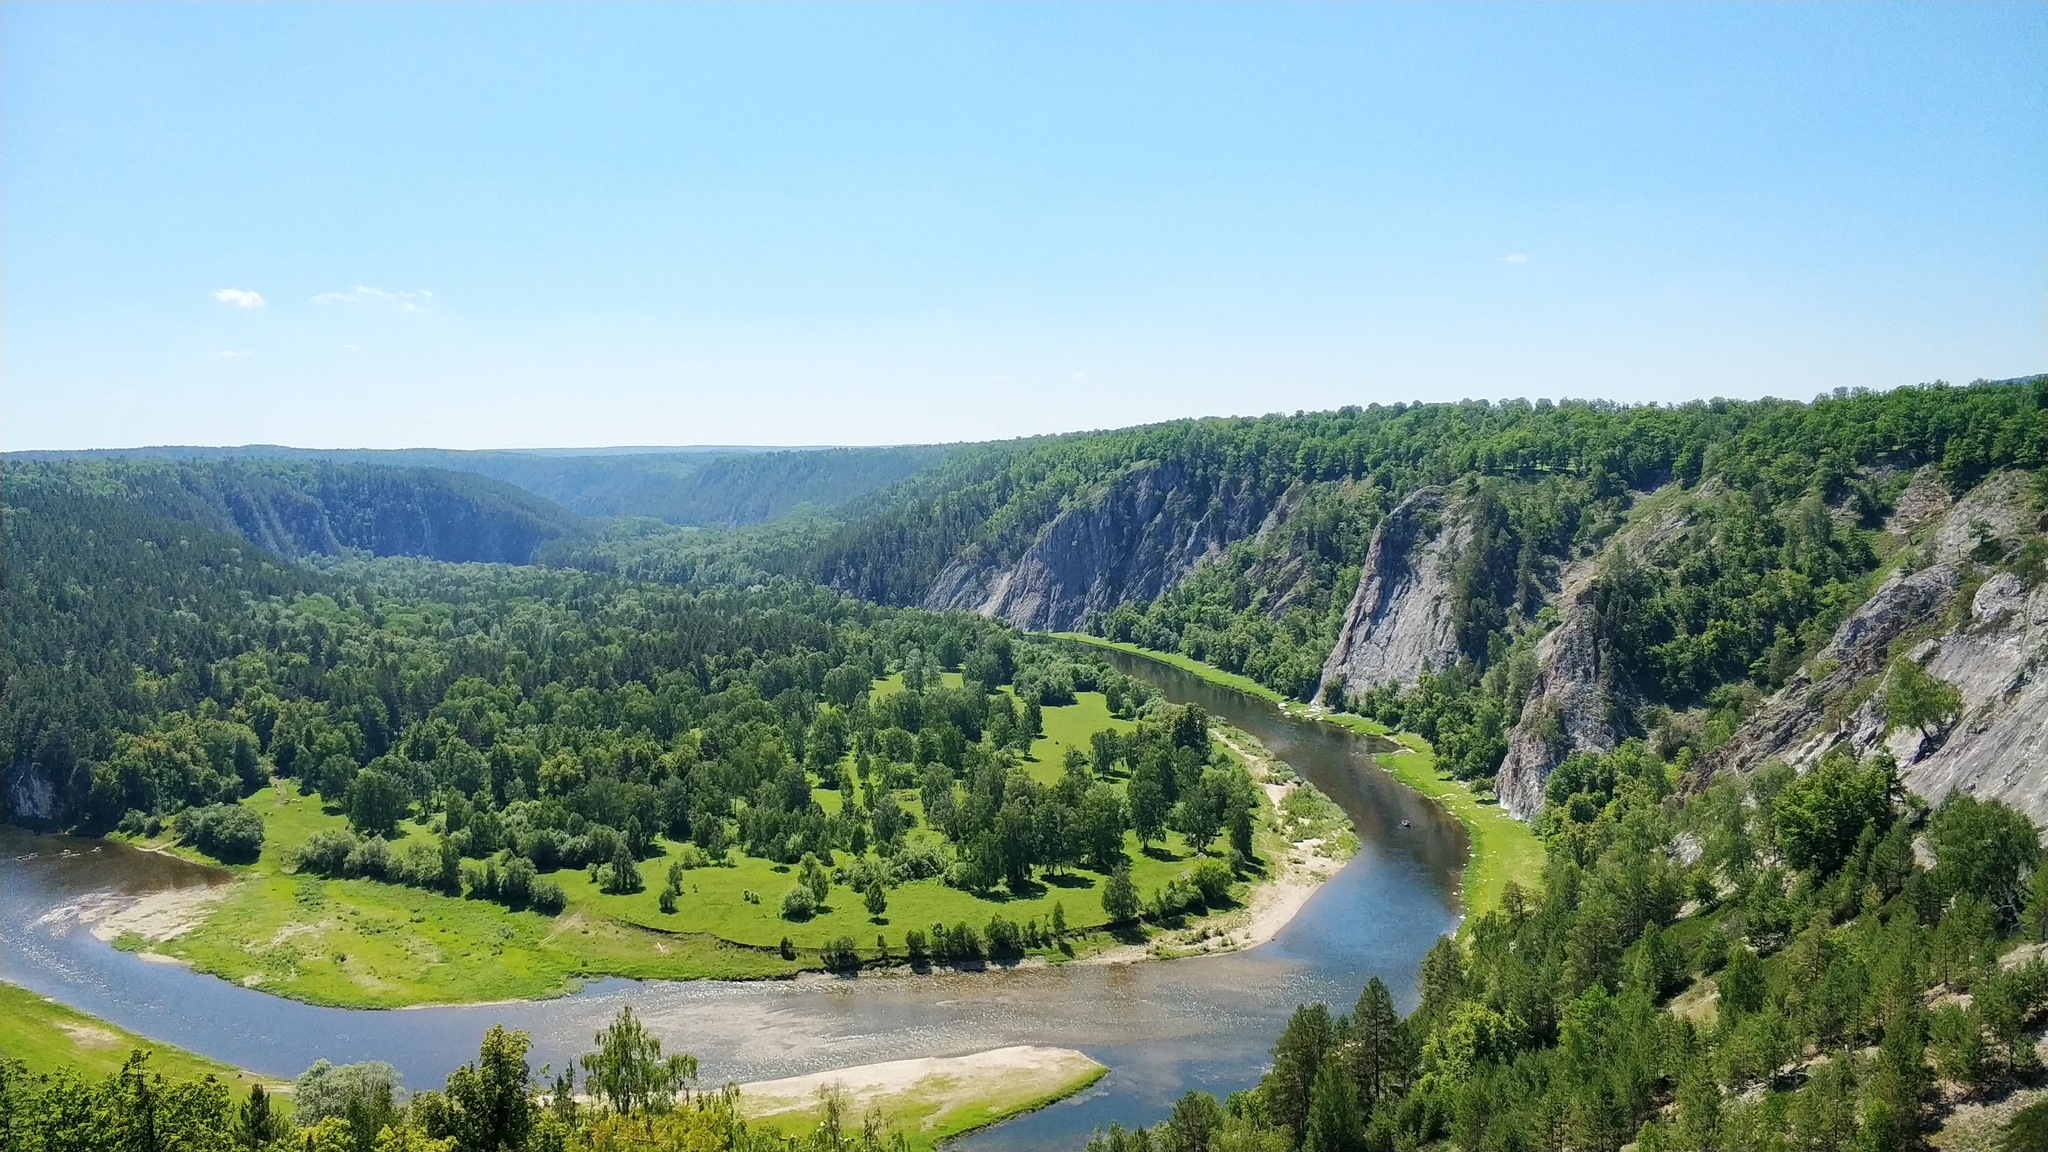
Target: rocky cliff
[(293, 509), (1992, 651), (1570, 707), (1399, 621), (1132, 540)]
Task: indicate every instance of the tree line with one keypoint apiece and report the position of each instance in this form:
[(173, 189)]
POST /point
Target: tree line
[(1762, 967)]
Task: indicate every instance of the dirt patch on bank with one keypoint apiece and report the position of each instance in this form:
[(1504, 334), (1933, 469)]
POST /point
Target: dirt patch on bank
[(951, 1092), (157, 917)]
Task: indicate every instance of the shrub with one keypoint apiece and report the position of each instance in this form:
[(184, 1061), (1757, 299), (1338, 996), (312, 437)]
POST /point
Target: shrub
[(370, 857), (227, 832), (515, 883), (919, 861), (1005, 942), (914, 944), (841, 956), (326, 853), (546, 896), (798, 904), (1212, 878)]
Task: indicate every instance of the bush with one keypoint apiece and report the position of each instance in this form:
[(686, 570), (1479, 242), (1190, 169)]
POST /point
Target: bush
[(919, 861), (371, 858), (1005, 942), (546, 896), (326, 853), (841, 955), (1212, 878), (799, 904), (914, 944), (515, 883), (227, 832)]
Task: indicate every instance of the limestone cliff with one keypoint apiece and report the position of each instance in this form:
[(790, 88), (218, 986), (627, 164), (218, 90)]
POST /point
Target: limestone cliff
[(1129, 542), (1570, 707), (1567, 710), (1993, 654), (1399, 621)]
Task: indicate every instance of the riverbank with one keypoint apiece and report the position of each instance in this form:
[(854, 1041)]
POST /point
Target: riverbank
[(1301, 840), (49, 1037), (928, 1100), (359, 943), (1502, 848)]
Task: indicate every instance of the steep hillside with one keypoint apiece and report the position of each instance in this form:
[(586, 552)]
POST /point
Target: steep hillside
[(294, 510), (692, 486), (1967, 604), (1521, 583)]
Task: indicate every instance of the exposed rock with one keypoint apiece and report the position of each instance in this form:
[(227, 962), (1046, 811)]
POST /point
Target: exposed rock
[(1857, 650), (1139, 535), (1925, 498), (1566, 711), (1993, 658), (30, 798), (1399, 622)]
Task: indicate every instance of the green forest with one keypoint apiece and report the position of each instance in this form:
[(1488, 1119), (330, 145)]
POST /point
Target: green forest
[(430, 684)]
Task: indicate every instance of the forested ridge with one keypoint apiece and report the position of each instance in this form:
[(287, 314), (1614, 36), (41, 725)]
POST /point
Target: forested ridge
[(1781, 959), (695, 487), (546, 719)]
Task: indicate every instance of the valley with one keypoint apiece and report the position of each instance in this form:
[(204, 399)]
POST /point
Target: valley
[(1624, 758)]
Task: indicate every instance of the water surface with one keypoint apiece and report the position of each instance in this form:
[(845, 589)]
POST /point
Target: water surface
[(1161, 1027)]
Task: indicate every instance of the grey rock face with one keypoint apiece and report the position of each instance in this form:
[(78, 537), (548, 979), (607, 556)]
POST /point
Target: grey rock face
[(1856, 651), (30, 798), (1399, 622), (1140, 534), (1567, 711), (1993, 658), (1995, 661)]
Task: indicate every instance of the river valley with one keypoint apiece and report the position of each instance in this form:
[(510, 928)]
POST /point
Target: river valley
[(1160, 1027)]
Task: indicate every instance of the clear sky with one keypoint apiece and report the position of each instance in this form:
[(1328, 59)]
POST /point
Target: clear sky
[(474, 225)]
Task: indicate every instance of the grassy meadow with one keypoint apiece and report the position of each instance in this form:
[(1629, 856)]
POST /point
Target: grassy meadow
[(365, 943)]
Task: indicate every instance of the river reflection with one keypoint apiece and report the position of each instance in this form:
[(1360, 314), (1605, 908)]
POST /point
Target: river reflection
[(1161, 1028)]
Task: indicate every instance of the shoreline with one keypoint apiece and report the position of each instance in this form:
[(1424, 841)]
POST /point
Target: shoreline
[(1499, 847), (1299, 871), (929, 1099)]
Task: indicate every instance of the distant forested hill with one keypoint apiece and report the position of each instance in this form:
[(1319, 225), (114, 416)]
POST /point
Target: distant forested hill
[(701, 487), (1522, 582), (295, 509)]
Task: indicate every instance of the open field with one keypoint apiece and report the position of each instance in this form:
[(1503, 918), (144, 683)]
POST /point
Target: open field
[(1502, 847), (929, 1100), (364, 943), (49, 1037)]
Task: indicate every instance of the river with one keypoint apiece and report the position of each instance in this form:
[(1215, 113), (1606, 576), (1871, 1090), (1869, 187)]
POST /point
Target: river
[(1160, 1027)]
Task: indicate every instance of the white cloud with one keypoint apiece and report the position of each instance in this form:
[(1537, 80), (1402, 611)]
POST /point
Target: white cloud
[(228, 354), (1515, 258), (238, 297), (363, 294), (351, 347)]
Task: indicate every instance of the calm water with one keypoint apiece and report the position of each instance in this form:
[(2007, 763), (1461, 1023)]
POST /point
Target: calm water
[(1161, 1028)]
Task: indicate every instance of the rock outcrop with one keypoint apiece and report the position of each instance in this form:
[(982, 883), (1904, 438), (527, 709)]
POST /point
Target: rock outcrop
[(1993, 657), (1399, 621), (1996, 661), (1140, 534), (1567, 710)]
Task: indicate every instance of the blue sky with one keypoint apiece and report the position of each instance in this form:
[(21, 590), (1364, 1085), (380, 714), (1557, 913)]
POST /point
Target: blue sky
[(473, 225)]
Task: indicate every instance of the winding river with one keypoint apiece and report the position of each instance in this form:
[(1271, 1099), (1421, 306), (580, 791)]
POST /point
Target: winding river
[(1161, 1027)]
